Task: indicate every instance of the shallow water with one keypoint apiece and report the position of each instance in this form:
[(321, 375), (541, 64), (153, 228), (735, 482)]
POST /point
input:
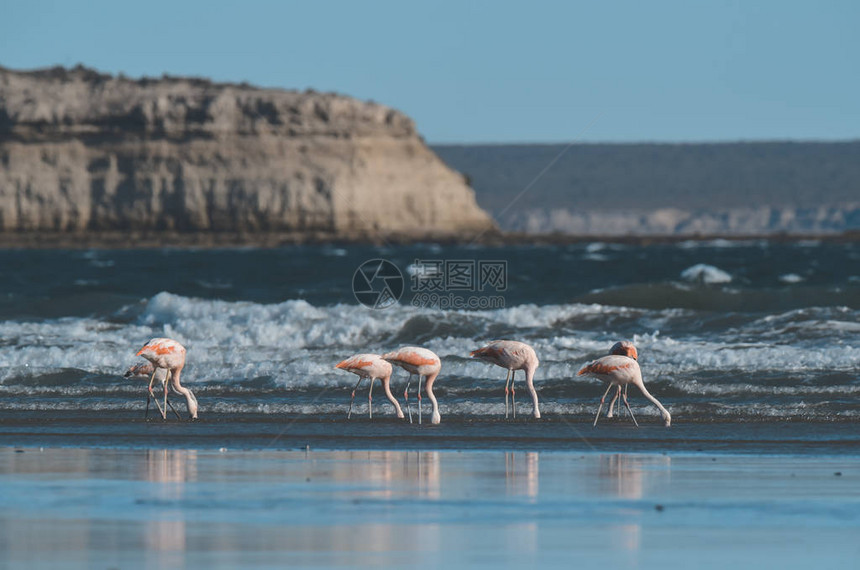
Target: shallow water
[(550, 433), (178, 508), (737, 332)]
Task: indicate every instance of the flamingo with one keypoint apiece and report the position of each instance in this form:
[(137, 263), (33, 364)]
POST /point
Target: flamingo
[(624, 348), (370, 366), (620, 370), (170, 355), (512, 355), (425, 364), (148, 370)]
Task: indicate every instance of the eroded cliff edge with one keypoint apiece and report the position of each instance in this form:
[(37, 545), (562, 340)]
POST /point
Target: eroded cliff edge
[(83, 152)]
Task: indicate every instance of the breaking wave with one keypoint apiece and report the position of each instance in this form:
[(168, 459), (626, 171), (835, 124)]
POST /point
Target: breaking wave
[(279, 357)]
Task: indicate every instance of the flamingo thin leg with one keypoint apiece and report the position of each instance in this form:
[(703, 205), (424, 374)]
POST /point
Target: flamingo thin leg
[(152, 395), (629, 411), (164, 410), (419, 398), (406, 397), (513, 394), (370, 400), (600, 407), (611, 411), (352, 400), (178, 417), (166, 401), (157, 405), (507, 392), (149, 395)]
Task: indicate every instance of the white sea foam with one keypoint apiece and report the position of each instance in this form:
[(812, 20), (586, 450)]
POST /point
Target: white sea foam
[(579, 414), (704, 273), (334, 252), (295, 344), (596, 257)]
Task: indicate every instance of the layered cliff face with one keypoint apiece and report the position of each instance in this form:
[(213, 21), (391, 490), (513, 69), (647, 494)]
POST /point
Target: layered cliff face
[(81, 151)]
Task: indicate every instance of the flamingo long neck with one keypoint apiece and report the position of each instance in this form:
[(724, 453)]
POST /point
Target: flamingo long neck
[(530, 375), (429, 389), (667, 418), (190, 400), (386, 386)]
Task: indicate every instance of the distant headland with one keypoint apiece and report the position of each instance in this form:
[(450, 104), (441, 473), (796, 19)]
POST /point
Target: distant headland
[(730, 189), (89, 157)]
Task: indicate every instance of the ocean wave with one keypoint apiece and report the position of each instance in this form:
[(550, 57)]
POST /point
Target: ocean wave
[(296, 344), (706, 274), (791, 278)]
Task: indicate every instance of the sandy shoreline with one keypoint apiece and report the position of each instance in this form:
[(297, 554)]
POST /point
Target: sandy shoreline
[(185, 507), (565, 433)]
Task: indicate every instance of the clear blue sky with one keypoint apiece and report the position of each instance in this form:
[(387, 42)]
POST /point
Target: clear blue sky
[(493, 71)]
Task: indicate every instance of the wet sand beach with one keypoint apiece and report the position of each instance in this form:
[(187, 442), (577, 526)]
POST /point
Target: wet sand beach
[(122, 508)]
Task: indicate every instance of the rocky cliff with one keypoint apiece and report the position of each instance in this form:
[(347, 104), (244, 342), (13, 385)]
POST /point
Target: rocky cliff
[(83, 152)]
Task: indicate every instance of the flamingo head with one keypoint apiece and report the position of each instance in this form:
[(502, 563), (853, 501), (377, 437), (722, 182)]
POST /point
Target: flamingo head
[(624, 348), (484, 353), (143, 369), (192, 405)]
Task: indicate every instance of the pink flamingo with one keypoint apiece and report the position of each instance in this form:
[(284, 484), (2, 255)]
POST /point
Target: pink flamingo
[(512, 355), (623, 348), (370, 366), (170, 355), (620, 370), (160, 375), (425, 364)]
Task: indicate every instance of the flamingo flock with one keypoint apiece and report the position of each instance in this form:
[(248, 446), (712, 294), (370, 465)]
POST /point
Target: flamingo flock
[(619, 369)]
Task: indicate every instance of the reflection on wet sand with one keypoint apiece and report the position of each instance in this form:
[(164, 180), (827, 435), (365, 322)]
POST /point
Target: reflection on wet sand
[(370, 480), (521, 480), (627, 477), (521, 474), (177, 508), (388, 473), (165, 536)]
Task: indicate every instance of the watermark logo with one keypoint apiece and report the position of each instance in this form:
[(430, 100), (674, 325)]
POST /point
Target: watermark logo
[(378, 284), (435, 283)]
